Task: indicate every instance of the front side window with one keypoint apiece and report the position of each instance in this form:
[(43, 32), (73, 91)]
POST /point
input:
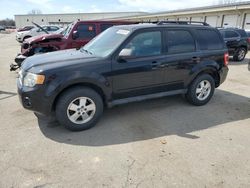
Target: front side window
[(145, 44), (231, 34), (86, 31), (180, 41)]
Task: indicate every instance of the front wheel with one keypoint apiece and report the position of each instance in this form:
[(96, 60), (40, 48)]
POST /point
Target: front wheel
[(79, 108), (201, 90)]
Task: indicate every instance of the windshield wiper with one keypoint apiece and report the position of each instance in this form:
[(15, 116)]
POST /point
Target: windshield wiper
[(86, 51)]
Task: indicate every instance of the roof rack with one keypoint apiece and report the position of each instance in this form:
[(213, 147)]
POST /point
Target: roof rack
[(183, 23)]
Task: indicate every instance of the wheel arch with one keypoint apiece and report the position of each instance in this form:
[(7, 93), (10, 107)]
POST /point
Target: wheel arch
[(92, 86), (212, 71)]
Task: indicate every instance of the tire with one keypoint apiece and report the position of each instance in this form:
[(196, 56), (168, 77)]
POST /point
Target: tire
[(79, 108), (198, 95), (240, 54)]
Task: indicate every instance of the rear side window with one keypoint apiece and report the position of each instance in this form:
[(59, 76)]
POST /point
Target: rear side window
[(86, 31), (209, 39), (180, 41), (105, 26), (231, 34)]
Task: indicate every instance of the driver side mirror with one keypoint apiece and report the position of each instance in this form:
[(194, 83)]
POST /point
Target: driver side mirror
[(75, 35), (124, 55)]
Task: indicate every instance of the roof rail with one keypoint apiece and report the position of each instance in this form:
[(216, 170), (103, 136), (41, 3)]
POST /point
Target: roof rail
[(183, 23)]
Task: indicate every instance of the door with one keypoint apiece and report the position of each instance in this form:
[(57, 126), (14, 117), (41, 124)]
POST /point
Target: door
[(247, 22), (181, 56), (232, 39), (230, 20), (83, 34), (140, 71), (197, 19), (212, 20)]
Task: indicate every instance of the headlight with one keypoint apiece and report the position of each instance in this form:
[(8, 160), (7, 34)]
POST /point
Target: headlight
[(30, 79)]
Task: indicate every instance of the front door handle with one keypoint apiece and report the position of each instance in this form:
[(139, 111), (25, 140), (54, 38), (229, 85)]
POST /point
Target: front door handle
[(196, 59)]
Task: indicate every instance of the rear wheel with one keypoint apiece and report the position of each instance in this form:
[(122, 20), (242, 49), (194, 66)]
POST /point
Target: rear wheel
[(201, 90), (79, 108), (240, 54)]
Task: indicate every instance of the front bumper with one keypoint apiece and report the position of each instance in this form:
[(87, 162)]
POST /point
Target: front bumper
[(19, 38), (33, 99)]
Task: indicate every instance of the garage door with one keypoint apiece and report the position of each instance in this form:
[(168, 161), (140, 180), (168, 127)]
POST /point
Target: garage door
[(247, 22), (230, 20), (183, 19), (197, 19), (212, 20)]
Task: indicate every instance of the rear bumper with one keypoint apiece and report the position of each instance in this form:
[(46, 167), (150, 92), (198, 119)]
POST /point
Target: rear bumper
[(223, 74)]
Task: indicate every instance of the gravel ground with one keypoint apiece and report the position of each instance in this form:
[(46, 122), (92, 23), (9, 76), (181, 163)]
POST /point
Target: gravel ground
[(158, 143)]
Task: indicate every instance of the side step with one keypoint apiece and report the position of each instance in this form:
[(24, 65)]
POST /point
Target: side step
[(145, 97)]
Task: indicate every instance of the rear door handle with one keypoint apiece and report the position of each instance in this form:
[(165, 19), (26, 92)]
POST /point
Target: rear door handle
[(157, 65)]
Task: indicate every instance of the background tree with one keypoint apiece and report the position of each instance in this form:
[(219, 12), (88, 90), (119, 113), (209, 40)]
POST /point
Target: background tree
[(35, 11)]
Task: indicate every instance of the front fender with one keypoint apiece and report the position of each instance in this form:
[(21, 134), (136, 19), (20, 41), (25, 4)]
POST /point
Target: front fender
[(58, 83)]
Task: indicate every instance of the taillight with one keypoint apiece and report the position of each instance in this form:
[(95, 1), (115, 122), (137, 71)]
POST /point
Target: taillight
[(226, 59), (248, 40)]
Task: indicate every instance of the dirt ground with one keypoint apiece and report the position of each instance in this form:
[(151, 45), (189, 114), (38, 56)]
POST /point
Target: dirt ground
[(158, 143)]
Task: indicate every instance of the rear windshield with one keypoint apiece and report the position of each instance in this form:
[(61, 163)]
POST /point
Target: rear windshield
[(242, 33), (209, 39)]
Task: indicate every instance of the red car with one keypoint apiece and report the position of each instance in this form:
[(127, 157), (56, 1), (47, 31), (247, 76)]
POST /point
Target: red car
[(76, 35)]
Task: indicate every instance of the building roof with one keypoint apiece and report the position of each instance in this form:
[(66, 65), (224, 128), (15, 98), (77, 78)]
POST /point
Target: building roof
[(213, 8)]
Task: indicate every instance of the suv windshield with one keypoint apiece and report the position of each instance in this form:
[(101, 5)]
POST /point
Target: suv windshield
[(67, 30), (105, 43)]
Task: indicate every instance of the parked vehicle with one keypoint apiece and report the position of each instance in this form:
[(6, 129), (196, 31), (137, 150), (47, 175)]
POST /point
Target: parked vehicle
[(237, 41), (124, 64), (2, 28), (26, 28), (38, 30), (75, 35)]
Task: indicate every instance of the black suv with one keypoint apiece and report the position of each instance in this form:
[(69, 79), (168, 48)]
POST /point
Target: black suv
[(121, 65), (237, 41)]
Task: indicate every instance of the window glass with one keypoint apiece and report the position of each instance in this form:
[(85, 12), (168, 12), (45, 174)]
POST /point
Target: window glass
[(180, 41), (231, 34), (46, 28), (145, 44), (105, 26), (242, 32), (86, 31), (209, 39), (53, 28)]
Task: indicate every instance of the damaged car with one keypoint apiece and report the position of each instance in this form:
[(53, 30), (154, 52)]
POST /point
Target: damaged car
[(21, 36), (76, 35)]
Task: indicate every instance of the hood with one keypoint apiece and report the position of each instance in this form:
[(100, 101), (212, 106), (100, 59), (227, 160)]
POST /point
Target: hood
[(55, 60), (44, 37)]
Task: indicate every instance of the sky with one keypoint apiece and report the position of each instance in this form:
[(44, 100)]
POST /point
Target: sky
[(8, 8)]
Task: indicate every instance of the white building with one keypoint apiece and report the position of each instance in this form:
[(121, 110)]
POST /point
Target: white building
[(229, 15), (64, 19)]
